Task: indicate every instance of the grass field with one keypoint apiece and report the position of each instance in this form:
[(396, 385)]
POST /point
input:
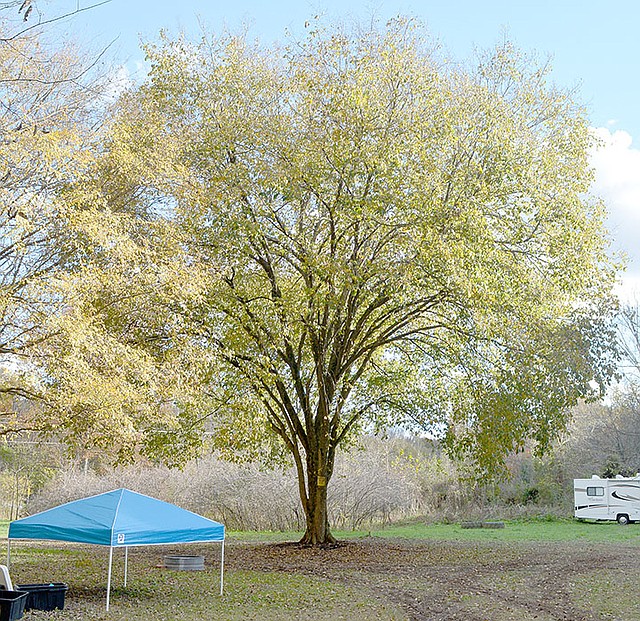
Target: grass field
[(526, 530), (542, 570)]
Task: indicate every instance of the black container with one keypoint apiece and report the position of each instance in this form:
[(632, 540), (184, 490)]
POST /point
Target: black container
[(44, 596), (12, 604)]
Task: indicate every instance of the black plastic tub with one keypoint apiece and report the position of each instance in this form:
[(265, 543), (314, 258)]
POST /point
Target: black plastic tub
[(12, 604), (44, 596)]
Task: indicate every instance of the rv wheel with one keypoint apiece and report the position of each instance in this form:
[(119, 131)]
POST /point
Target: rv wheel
[(623, 519)]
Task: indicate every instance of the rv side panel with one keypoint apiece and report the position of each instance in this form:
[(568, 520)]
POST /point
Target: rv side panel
[(607, 499)]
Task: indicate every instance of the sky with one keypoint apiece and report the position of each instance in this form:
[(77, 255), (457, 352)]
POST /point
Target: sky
[(594, 47)]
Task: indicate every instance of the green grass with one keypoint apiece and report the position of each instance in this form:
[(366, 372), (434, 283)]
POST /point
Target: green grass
[(529, 530), (517, 530)]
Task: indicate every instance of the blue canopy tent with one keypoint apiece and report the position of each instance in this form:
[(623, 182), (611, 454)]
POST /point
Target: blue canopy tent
[(119, 519)]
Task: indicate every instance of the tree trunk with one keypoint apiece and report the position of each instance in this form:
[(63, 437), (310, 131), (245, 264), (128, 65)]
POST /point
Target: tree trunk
[(317, 531), (319, 472)]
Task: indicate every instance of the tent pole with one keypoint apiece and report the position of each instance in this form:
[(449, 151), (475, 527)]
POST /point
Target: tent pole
[(222, 569), (126, 563), (109, 575), (8, 553)]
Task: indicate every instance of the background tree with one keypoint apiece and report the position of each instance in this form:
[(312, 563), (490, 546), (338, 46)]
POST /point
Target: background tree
[(26, 466), (121, 361), (366, 235), (601, 439), (47, 111), (629, 338)]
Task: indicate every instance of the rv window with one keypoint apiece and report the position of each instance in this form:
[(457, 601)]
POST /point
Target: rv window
[(595, 491)]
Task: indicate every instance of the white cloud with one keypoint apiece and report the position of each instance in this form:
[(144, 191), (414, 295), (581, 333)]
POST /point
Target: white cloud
[(617, 167), (628, 288)]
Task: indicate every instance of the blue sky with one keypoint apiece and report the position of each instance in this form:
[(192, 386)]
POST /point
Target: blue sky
[(594, 46)]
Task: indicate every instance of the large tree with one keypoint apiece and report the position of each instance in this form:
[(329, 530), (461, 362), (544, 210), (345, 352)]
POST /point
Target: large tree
[(46, 112), (367, 234)]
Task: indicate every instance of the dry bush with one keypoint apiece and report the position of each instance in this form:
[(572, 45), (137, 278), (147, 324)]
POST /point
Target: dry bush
[(378, 482), (244, 496), (241, 496)]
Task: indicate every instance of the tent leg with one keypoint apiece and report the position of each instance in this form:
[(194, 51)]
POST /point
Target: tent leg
[(126, 563), (222, 568), (8, 554), (109, 576)]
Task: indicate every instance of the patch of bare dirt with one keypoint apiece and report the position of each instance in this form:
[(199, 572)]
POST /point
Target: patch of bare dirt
[(451, 581)]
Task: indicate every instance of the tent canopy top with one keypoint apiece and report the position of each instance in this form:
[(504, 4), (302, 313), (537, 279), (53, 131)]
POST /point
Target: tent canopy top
[(119, 518)]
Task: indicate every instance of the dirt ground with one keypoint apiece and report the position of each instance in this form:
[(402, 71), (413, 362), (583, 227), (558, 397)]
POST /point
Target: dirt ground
[(430, 580)]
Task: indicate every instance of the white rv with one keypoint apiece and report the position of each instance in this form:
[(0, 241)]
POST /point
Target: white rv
[(607, 499)]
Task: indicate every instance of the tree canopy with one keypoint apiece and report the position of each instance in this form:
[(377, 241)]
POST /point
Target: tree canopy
[(344, 233), (45, 117)]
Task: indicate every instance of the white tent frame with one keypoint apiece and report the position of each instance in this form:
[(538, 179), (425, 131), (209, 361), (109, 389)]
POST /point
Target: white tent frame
[(126, 561)]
